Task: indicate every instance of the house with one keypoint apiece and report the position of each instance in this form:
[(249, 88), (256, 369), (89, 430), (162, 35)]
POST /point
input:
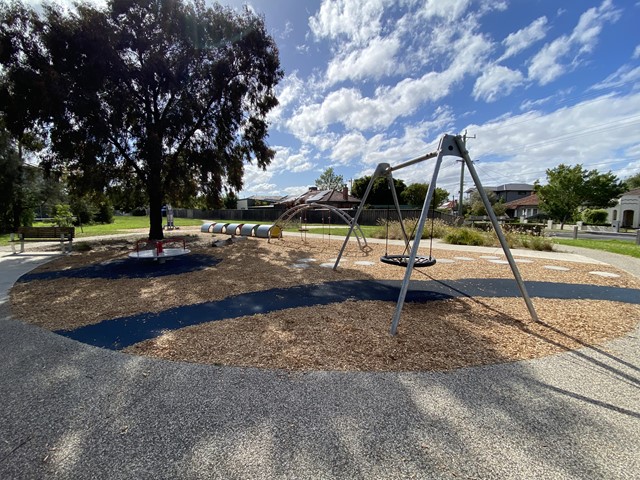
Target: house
[(523, 207), (335, 198), (509, 191), (258, 201), (627, 212)]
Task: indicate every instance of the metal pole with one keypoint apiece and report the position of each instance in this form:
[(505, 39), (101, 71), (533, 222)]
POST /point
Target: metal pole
[(380, 169), (394, 194), (419, 228), (498, 230), (461, 187), (415, 160)]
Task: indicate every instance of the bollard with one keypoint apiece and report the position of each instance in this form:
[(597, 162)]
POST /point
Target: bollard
[(575, 232), (638, 237)]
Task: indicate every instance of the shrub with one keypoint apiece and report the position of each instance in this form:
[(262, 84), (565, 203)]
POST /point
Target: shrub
[(83, 211), (139, 212), (440, 229), (536, 243), (62, 215), (467, 236), (594, 217), (104, 213)]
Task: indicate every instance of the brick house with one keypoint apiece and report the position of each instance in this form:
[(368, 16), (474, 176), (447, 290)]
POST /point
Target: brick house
[(523, 207)]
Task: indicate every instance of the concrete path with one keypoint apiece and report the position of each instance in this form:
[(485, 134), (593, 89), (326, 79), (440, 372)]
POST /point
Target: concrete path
[(69, 410)]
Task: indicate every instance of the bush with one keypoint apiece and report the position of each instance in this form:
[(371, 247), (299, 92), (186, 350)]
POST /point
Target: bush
[(83, 211), (440, 229), (594, 217), (467, 236), (62, 216), (536, 243), (139, 212), (104, 213)]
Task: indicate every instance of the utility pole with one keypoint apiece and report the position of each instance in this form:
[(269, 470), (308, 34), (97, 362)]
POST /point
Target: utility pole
[(464, 142)]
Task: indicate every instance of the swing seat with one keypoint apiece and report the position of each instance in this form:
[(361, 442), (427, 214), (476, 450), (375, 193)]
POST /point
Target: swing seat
[(403, 260)]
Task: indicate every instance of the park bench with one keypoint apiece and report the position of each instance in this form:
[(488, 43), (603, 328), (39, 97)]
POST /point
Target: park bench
[(44, 234)]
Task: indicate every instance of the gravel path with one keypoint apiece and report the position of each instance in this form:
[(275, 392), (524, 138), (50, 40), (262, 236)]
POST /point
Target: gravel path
[(74, 411)]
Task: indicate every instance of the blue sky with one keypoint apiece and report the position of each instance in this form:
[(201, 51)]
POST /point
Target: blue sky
[(537, 82)]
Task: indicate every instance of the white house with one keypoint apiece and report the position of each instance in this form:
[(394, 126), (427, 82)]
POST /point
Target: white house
[(627, 211)]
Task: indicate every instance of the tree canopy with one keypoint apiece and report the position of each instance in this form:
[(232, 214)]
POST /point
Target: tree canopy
[(476, 205), (632, 182), (380, 193), (415, 194), (328, 180), (165, 96), (570, 187)]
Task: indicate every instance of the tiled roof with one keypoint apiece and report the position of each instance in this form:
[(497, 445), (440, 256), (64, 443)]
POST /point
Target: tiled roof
[(635, 191), (530, 201)]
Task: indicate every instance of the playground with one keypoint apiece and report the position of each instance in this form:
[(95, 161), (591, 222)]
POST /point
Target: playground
[(280, 304)]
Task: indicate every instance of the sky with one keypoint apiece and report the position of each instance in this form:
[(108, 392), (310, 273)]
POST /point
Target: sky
[(534, 84)]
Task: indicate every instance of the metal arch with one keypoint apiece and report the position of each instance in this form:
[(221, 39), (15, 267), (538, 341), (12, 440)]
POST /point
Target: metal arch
[(289, 214)]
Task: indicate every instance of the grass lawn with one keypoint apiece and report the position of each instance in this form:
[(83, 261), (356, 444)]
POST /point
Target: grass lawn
[(612, 246), (119, 225)]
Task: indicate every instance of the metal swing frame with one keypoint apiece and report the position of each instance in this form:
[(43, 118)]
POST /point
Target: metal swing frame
[(452, 145)]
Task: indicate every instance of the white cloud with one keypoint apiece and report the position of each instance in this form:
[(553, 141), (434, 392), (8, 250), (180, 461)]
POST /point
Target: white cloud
[(350, 108), (636, 52), (623, 76), (496, 81), (523, 38), (376, 60), (357, 20), (545, 66), (563, 54), (447, 9), (350, 146), (286, 161), (289, 93), (534, 141)]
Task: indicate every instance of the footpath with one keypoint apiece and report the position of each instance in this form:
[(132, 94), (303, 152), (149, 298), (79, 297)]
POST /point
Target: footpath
[(70, 410)]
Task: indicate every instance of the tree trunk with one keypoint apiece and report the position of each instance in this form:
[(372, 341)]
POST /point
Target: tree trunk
[(154, 188), (18, 194), (155, 210)]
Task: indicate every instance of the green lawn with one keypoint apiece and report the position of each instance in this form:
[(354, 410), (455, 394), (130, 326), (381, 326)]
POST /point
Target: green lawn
[(120, 225), (612, 246)]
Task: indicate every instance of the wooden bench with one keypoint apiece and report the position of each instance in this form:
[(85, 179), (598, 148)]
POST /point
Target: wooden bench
[(44, 234)]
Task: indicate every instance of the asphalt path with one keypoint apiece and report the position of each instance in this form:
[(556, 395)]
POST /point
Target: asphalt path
[(70, 410)]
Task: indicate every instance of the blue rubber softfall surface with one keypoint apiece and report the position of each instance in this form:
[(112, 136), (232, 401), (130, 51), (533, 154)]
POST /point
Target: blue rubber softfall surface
[(129, 268), (122, 332)]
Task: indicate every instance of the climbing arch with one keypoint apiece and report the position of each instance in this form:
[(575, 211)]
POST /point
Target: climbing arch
[(291, 213)]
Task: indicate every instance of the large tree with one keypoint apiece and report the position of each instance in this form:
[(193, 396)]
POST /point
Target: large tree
[(476, 205), (632, 182), (380, 193), (329, 180), (570, 187), (415, 194), (171, 94)]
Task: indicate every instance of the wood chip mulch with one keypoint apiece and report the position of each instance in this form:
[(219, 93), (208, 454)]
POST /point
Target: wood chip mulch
[(352, 335)]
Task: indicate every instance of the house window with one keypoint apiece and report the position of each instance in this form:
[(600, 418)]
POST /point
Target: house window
[(615, 215), (522, 193)]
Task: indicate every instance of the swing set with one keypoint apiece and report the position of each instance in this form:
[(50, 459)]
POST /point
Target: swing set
[(450, 145)]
